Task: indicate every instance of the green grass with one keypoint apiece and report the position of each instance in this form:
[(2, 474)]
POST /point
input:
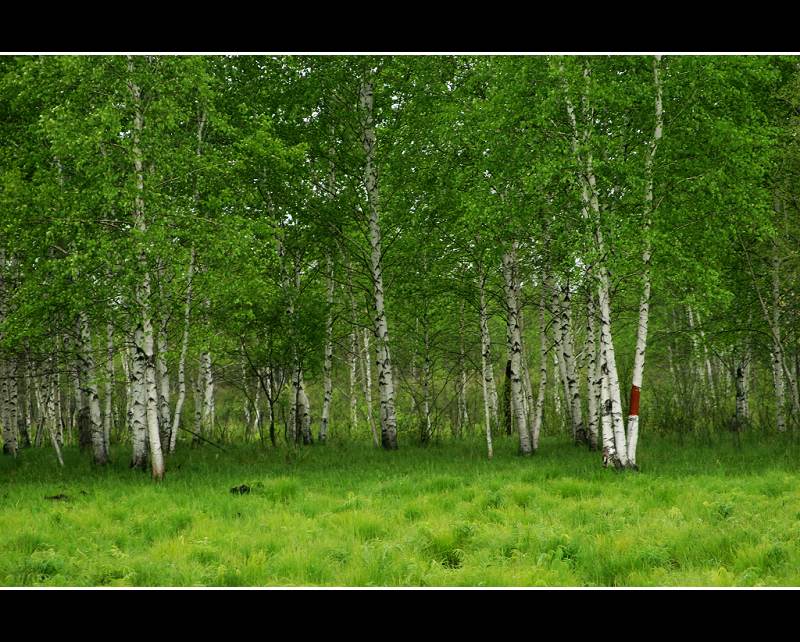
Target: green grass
[(348, 515)]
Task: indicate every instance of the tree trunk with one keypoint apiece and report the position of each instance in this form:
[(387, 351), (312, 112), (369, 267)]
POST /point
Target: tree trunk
[(256, 419), (426, 431), (508, 408), (22, 404), (590, 203), (527, 388), (742, 416), (81, 402), (9, 432), (176, 419), (487, 378), (108, 412), (50, 393), (209, 406), (609, 450), (644, 302), (366, 378), (592, 372), (385, 378), (515, 343), (538, 415), (777, 348), (327, 366), (556, 383), (463, 414), (354, 352), (144, 345), (138, 404), (568, 353), (89, 392), (165, 422), (489, 387), (559, 350)]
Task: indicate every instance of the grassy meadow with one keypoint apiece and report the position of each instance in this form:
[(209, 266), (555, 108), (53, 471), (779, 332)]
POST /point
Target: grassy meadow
[(345, 514)]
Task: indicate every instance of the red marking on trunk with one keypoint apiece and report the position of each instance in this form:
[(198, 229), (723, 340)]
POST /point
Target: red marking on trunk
[(634, 405)]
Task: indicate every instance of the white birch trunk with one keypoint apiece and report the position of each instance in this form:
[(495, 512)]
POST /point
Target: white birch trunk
[(620, 445), (367, 382), (556, 383), (609, 450), (777, 348), (22, 403), (590, 203), (644, 302), (89, 390), (354, 352), (489, 387), (138, 404), (81, 414), (128, 379), (144, 347), (558, 351), (198, 402), (328, 361), (426, 385), (9, 432), (463, 414), (385, 378), (247, 399), (515, 343), (526, 376), (353, 370), (209, 405), (540, 398), (742, 416), (164, 402), (592, 369), (568, 352), (176, 419), (49, 393), (108, 413), (303, 410), (256, 419), (9, 418)]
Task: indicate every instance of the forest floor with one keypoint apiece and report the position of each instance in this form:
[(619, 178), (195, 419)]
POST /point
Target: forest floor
[(345, 514)]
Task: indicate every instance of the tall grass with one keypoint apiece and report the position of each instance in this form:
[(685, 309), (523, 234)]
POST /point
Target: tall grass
[(705, 512)]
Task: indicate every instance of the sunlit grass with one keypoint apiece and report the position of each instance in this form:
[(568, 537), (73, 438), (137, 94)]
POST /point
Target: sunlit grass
[(350, 515)]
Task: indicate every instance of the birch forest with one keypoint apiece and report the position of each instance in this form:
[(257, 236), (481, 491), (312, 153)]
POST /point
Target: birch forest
[(322, 280)]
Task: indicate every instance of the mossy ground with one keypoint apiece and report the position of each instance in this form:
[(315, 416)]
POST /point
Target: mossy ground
[(345, 514)]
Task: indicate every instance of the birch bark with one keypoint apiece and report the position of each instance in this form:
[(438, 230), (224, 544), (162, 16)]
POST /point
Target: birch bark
[(385, 378), (568, 352), (108, 413), (144, 346), (592, 370), (164, 403), (328, 360), (138, 404), (538, 415), (489, 387), (644, 302), (462, 390), (88, 382), (366, 378), (50, 392), (591, 204), (515, 343), (176, 419)]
